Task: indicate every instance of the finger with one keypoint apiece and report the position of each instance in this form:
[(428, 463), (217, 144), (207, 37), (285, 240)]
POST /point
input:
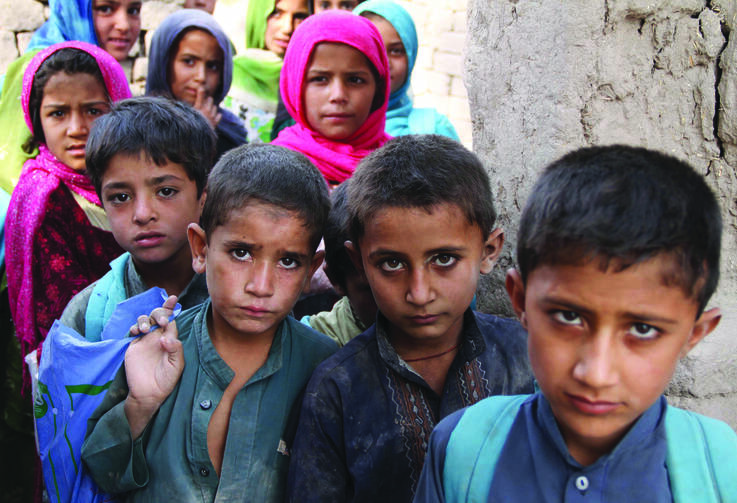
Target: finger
[(199, 97), (217, 118), (144, 324)]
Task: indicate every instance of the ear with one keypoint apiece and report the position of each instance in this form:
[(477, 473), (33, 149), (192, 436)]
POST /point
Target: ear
[(704, 325), (355, 254), (198, 246), (317, 259), (492, 250), (516, 291), (333, 280)]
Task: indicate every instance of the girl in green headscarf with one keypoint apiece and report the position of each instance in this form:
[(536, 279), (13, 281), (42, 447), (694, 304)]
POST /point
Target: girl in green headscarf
[(254, 92)]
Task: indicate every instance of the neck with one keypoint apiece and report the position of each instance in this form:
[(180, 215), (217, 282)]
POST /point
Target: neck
[(172, 275)]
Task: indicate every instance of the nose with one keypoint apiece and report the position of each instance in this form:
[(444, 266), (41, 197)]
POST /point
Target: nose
[(122, 23), (597, 358), (143, 210), (420, 290), (338, 91), (261, 281), (200, 72), (78, 125), (286, 24)]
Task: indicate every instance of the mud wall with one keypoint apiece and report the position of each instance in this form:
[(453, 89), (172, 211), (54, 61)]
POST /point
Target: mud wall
[(545, 77)]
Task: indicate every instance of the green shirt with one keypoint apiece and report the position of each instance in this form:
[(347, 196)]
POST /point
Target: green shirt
[(170, 461)]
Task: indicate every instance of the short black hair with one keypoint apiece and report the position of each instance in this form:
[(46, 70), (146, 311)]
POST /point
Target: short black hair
[(420, 171), (68, 60), (338, 264), (624, 205), (266, 174), (161, 129)]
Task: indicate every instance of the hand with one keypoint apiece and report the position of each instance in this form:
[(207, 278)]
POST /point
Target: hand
[(153, 365), (206, 106), (159, 316)]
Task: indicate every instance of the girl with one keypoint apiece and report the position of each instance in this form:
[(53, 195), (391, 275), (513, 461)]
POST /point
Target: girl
[(400, 38), (191, 59), (255, 91), (317, 6), (56, 238), (335, 85), (113, 25)]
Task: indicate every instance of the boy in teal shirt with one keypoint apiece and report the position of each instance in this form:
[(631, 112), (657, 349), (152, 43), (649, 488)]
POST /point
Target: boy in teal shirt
[(215, 428), (618, 255), (150, 177)]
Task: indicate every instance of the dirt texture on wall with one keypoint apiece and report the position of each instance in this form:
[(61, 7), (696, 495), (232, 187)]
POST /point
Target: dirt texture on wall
[(545, 77)]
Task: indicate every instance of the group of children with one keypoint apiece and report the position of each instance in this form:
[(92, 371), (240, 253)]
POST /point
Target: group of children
[(617, 255)]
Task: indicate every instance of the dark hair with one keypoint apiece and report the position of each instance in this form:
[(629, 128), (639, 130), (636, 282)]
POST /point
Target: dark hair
[(338, 264), (68, 60), (267, 174), (311, 5), (420, 171), (162, 130), (626, 205)]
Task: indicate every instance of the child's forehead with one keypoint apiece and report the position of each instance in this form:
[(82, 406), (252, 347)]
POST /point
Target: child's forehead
[(260, 212), (143, 168), (444, 218)]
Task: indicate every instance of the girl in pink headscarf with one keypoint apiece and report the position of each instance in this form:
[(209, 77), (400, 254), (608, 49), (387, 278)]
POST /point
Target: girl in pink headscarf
[(57, 235), (335, 84)]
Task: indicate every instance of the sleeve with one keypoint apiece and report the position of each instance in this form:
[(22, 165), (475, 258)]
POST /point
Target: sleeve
[(116, 462), (430, 485), (317, 468), (444, 127), (75, 312)]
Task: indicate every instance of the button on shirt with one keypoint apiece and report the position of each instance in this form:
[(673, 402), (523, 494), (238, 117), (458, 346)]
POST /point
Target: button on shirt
[(170, 461), (367, 415), (535, 465)]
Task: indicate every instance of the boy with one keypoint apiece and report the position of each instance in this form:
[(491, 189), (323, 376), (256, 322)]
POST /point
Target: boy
[(618, 254), (214, 430), (422, 227), (356, 310), (150, 177)]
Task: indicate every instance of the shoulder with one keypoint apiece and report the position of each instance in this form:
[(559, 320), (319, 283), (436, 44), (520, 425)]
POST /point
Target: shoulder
[(306, 335), (187, 319), (348, 363), (74, 314), (506, 332)]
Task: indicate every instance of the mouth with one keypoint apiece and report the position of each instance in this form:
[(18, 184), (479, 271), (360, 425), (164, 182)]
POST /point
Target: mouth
[(337, 117), (255, 311), (76, 150), (424, 319), (592, 407), (119, 43), (149, 239)]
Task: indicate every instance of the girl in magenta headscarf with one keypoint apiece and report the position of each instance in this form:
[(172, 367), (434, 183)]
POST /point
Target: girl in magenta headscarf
[(335, 84), (57, 238)]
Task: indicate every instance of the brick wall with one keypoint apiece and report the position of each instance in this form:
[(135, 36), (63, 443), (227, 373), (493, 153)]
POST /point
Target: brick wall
[(437, 79)]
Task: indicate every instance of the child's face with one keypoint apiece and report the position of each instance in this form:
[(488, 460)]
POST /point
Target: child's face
[(149, 208), (339, 89), (257, 264), (423, 268), (206, 5), (196, 65), (396, 54), (603, 344), (287, 15), (117, 25), (70, 104), (322, 5)]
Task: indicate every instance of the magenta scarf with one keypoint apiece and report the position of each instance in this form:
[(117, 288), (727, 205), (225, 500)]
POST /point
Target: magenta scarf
[(40, 177), (336, 159)]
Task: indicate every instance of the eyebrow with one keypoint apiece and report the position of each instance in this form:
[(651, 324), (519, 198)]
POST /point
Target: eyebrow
[(384, 252), (153, 181), (646, 318), (235, 243), (85, 104)]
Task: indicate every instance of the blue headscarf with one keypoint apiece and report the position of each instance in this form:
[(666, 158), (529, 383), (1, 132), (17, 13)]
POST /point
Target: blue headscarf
[(158, 63), (398, 120), (68, 20)]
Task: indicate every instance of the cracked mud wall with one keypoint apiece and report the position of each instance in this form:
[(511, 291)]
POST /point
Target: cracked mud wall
[(545, 77)]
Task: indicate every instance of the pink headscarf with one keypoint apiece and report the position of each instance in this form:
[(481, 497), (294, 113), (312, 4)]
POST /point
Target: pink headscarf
[(336, 159), (39, 178)]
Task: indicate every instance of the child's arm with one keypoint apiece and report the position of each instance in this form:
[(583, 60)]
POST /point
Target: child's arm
[(153, 365), (317, 465)]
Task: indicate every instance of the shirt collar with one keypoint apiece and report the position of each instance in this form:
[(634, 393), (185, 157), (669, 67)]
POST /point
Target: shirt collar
[(216, 367)]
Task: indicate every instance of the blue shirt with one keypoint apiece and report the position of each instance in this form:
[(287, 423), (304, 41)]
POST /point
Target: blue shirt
[(535, 464), (367, 415), (170, 461)]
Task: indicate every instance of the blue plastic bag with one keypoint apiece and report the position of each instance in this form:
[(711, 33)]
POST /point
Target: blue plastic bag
[(73, 377)]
